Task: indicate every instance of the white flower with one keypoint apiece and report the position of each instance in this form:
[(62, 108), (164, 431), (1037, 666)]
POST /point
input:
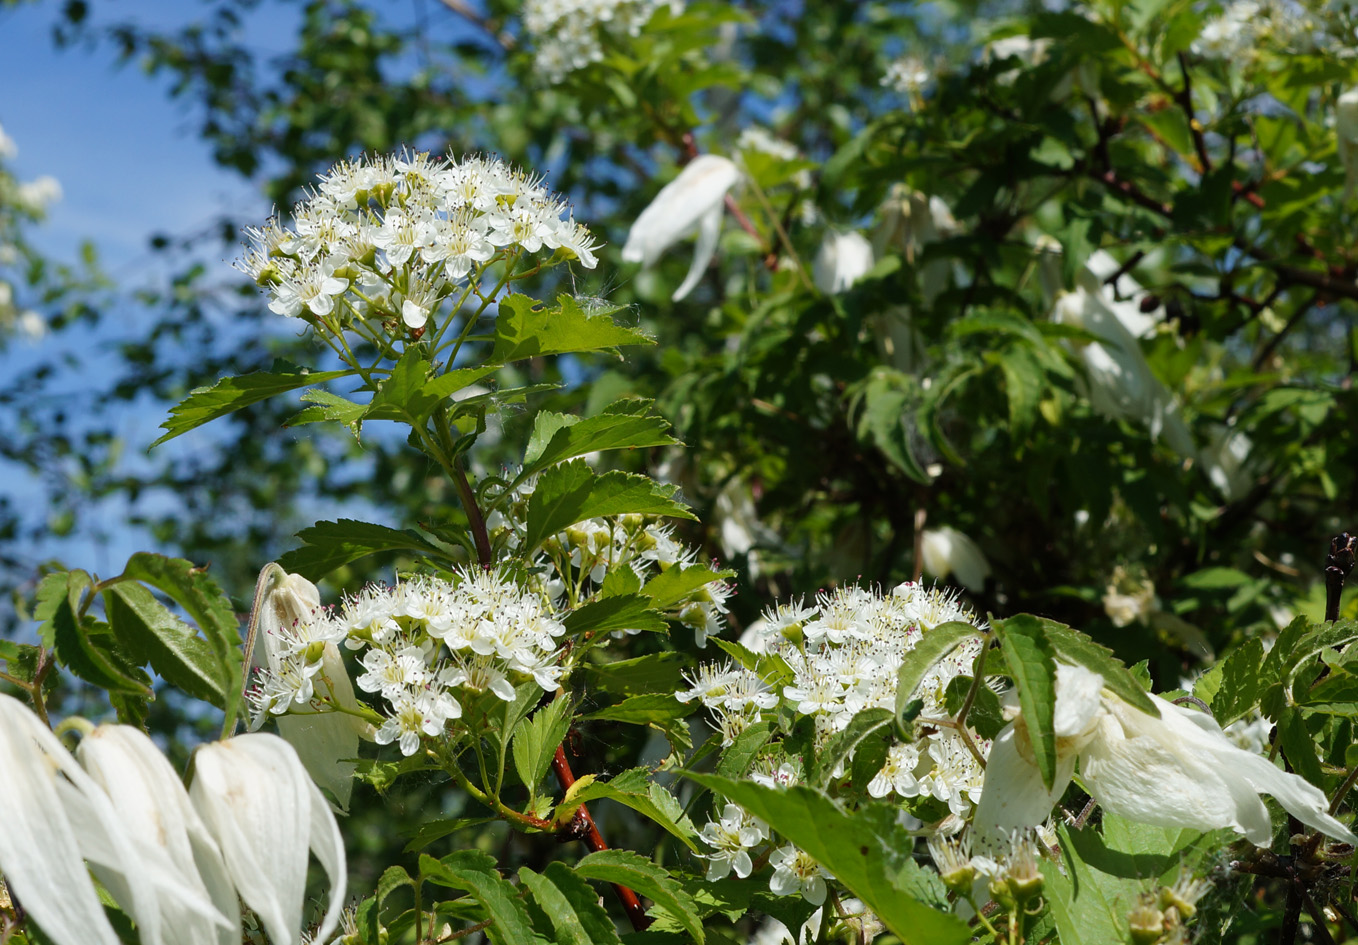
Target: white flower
[(947, 551), (906, 75), (692, 201), (1226, 460), (732, 837), (195, 896), (795, 871), (1128, 599), (265, 812), (1121, 383), (1175, 771), (54, 816), (843, 259)]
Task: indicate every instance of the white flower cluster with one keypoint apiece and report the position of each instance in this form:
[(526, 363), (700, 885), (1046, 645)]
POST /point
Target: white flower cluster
[(1244, 27), (427, 642), (844, 653), (575, 562), (569, 34), (394, 236), (908, 76)]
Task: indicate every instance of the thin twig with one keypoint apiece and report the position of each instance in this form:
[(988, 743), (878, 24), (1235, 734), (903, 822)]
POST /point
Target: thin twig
[(1337, 567), (1184, 96)]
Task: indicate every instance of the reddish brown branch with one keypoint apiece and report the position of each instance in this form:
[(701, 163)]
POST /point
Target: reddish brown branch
[(631, 904)]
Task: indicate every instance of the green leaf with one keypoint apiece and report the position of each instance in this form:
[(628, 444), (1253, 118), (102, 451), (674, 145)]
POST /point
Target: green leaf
[(738, 757), (525, 331), (535, 742), (558, 437), (392, 879), (1298, 746), (1024, 382), (475, 872), (927, 651), (232, 393), (882, 405), (622, 612), (573, 492), (655, 672), (645, 878), (1032, 665), (571, 904), (193, 589), (866, 724), (329, 545), (633, 788), (676, 584), (432, 830), (871, 855), (1232, 688), (1078, 649), (770, 667), (329, 407), (74, 638), (410, 395), (175, 651), (1212, 579)]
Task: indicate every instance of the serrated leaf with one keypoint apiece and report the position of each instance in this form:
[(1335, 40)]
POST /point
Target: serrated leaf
[(655, 672), (524, 330), (869, 854), (1032, 665), (770, 667), (631, 612), (646, 879), (571, 905), (1023, 385), (738, 757), (475, 872), (329, 407), (232, 393), (557, 437), (573, 492), (193, 589), (1078, 649), (633, 788), (1298, 746), (174, 650), (676, 583), (927, 651), (329, 545), (392, 879), (864, 725), (73, 637), (535, 741), (1232, 688)]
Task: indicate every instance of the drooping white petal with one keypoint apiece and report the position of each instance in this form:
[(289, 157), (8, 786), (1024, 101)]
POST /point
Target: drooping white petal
[(1078, 701), (842, 260), (328, 845), (169, 836), (692, 201), (1014, 795), (39, 852), (261, 806), (947, 551), (1207, 763)]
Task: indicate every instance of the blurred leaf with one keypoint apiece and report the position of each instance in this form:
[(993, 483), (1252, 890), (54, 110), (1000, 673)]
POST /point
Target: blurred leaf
[(329, 545)]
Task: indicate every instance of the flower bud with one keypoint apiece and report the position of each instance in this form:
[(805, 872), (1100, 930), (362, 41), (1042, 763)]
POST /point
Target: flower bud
[(1146, 922)]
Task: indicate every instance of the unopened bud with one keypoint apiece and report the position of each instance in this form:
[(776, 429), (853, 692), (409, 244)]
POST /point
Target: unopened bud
[(1146, 922)]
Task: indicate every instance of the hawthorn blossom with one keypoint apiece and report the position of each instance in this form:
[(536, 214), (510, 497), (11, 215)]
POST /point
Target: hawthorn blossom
[(794, 871), (732, 837), (692, 202), (569, 35)]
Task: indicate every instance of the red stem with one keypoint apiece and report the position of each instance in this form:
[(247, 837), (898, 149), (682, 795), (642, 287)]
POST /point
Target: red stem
[(595, 841)]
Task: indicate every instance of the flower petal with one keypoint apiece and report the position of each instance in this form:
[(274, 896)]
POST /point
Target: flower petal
[(328, 845), (709, 228), (1014, 795), (679, 207), (256, 799), (39, 853)]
